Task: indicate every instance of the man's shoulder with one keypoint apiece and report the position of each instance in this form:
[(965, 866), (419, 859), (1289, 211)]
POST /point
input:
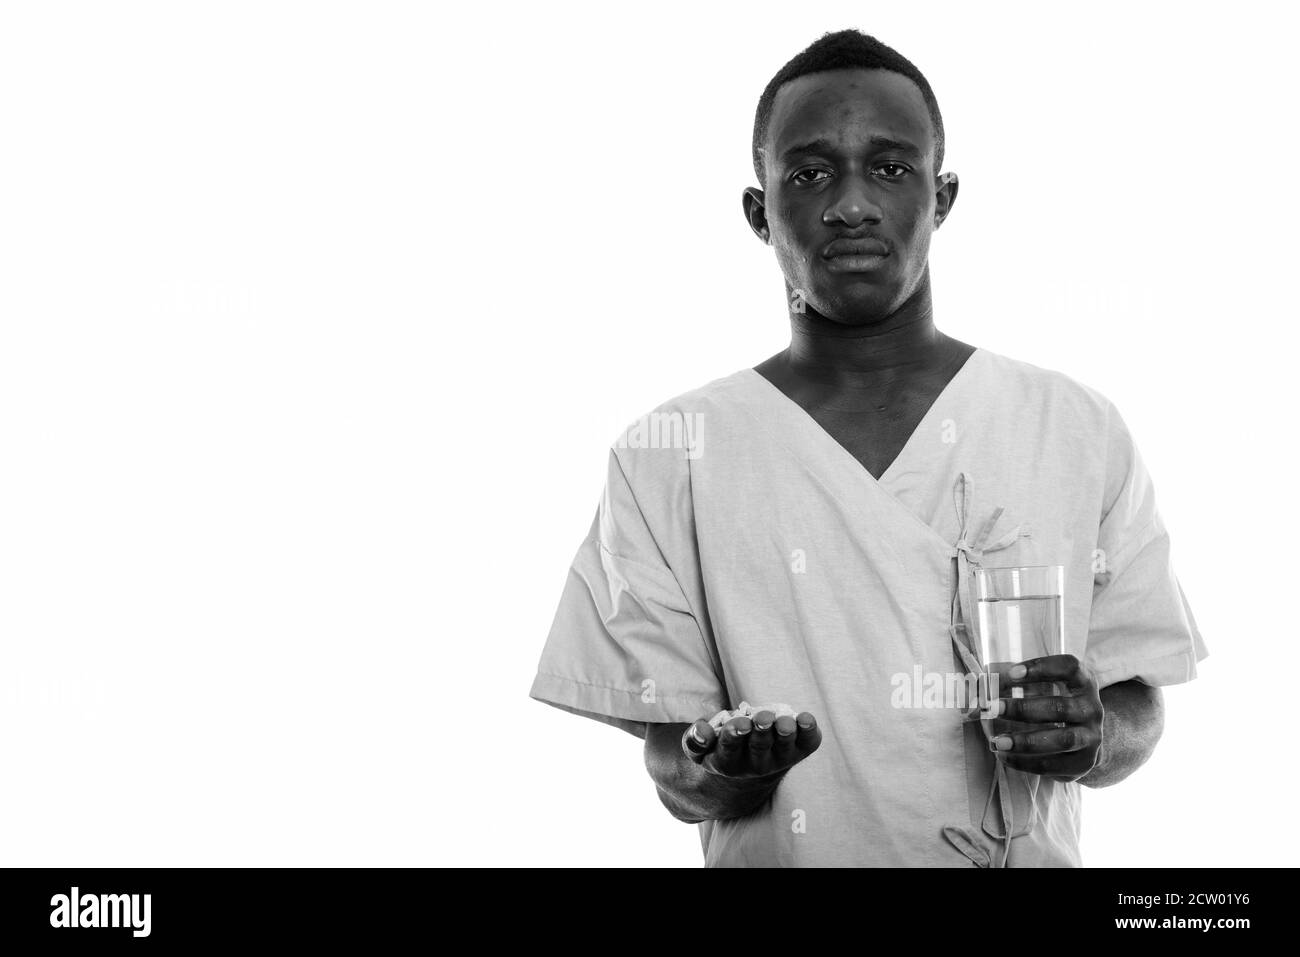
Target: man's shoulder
[(662, 442), (725, 395), (1053, 389)]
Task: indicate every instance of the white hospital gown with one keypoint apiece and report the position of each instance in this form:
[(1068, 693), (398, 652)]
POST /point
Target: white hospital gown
[(766, 564)]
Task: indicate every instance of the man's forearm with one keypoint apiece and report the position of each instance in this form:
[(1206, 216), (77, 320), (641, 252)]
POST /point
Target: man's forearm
[(1134, 719), (693, 794)]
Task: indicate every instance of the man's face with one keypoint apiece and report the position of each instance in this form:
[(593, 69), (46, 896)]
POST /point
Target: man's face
[(850, 198)]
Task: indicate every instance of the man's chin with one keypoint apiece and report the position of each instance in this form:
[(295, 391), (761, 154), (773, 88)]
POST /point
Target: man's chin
[(855, 311)]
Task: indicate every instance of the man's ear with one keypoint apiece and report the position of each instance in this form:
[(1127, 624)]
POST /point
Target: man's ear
[(945, 194), (756, 213)]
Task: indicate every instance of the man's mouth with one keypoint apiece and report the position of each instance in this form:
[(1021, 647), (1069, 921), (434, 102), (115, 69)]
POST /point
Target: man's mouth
[(855, 255), (855, 247)]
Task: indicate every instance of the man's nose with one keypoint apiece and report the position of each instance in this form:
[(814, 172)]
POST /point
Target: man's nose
[(852, 206)]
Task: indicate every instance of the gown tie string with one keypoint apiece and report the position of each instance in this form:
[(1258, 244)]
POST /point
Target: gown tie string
[(969, 553)]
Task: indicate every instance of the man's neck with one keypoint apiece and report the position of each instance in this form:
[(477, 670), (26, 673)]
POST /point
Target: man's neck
[(899, 346)]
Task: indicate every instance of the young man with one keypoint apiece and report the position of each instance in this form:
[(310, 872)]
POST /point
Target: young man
[(804, 532)]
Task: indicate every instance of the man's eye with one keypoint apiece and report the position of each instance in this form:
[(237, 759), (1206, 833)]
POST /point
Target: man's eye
[(893, 170), (805, 175)]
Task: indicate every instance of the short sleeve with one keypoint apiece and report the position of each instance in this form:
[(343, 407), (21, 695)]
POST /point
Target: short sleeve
[(1141, 624), (625, 647)]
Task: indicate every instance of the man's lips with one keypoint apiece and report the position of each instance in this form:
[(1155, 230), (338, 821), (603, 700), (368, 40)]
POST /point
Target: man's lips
[(855, 247), (855, 255)]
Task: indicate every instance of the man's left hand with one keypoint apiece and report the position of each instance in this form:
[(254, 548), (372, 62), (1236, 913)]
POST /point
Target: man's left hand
[(1068, 745)]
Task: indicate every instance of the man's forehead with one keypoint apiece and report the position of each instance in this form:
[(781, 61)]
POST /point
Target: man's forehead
[(849, 106)]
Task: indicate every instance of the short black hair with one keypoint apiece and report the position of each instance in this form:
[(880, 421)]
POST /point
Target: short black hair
[(845, 50)]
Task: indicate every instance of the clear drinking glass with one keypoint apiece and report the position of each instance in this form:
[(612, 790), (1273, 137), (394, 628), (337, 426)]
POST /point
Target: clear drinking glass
[(1020, 614)]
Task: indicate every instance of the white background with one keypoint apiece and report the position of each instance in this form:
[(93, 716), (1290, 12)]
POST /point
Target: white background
[(317, 320)]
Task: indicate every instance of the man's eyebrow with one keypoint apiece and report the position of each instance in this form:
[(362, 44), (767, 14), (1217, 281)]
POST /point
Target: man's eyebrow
[(900, 146), (826, 146)]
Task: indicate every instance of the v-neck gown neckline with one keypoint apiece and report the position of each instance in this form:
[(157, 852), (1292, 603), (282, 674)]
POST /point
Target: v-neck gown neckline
[(946, 393)]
